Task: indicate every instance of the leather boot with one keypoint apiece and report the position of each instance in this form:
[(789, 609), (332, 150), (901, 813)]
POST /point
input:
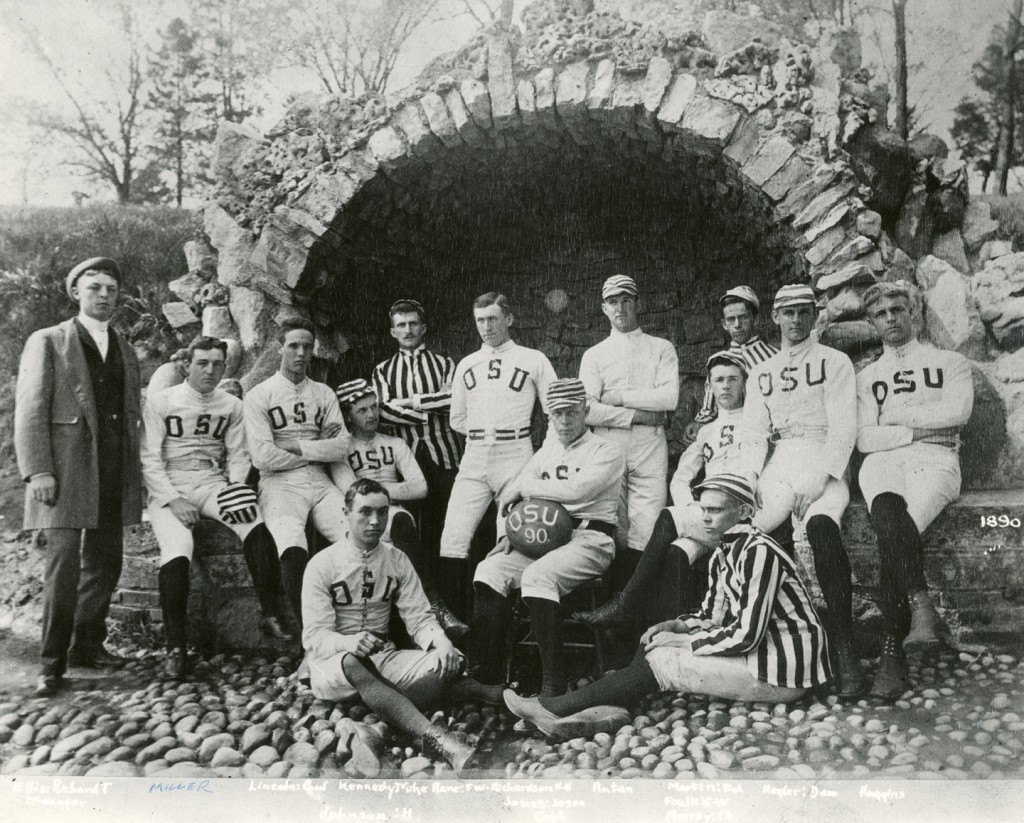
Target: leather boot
[(437, 742), (447, 619), (849, 678), (926, 627), (891, 677), (612, 613)]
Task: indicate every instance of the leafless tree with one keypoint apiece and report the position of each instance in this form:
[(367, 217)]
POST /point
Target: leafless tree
[(352, 45), (102, 122), (1009, 103)]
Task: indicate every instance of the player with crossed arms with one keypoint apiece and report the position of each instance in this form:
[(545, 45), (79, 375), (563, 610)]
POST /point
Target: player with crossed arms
[(493, 395), (391, 462), (911, 403), (294, 429), (194, 463)]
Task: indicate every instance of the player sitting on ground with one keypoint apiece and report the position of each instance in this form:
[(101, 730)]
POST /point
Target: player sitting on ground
[(755, 638), (390, 462), (804, 400), (294, 429), (584, 473), (347, 598), (911, 403), (656, 589), (740, 307), (194, 463)]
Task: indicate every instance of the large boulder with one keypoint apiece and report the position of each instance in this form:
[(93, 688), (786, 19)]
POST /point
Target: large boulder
[(998, 288), (882, 161), (951, 317)]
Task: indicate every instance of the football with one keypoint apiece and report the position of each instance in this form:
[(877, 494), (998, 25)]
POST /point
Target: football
[(535, 526)]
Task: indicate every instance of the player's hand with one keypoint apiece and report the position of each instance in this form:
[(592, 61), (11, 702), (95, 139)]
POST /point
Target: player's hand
[(814, 487), (184, 511), (331, 430), (690, 433), (367, 643), (403, 402), (642, 417), (505, 504), (449, 661), (668, 639), (612, 398), (658, 628), (44, 488), (503, 546), (290, 446)]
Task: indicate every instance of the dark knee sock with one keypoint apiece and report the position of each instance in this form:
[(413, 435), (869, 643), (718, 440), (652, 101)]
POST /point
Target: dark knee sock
[(406, 539), (261, 560), (647, 575), (382, 698), (293, 566), (623, 566), (626, 687), (548, 629), (832, 567), (173, 582), (672, 586), (490, 627), (783, 535), (900, 558)]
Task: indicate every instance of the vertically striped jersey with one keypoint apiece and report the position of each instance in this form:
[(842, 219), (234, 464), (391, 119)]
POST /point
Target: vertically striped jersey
[(756, 606), (278, 409), (426, 377), (494, 390), (187, 431)]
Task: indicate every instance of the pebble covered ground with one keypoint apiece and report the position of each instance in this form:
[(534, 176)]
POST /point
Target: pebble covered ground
[(249, 717)]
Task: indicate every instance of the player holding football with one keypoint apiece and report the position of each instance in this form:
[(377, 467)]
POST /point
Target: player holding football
[(583, 473)]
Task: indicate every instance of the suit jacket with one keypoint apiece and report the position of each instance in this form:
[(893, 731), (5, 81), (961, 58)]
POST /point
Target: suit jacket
[(55, 429)]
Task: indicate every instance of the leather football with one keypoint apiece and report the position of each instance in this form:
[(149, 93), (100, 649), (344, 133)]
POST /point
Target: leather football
[(536, 526)]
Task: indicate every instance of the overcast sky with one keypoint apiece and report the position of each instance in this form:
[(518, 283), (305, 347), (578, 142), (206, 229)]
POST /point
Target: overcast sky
[(946, 36)]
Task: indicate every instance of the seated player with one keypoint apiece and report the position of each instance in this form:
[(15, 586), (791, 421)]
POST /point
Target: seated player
[(679, 539), (347, 598), (911, 403), (390, 462), (755, 638), (194, 462), (804, 400), (739, 307), (294, 429), (584, 473)]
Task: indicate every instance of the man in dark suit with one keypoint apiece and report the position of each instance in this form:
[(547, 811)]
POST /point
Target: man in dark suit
[(76, 432)]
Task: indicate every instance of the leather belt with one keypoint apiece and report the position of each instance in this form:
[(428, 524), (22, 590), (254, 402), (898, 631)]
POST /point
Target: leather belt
[(499, 435), (594, 525), (815, 433)]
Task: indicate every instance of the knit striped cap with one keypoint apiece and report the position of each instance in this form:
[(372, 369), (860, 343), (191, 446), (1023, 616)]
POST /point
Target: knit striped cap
[(618, 284), (734, 485), (793, 295), (727, 358), (353, 390), (566, 392), (237, 503)]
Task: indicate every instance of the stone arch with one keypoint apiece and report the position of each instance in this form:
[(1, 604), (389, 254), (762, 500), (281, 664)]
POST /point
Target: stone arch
[(337, 247)]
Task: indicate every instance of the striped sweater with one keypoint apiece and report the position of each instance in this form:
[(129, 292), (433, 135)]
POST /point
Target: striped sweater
[(757, 607)]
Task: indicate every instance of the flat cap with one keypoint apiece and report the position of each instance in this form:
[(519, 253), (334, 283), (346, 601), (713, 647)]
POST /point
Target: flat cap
[(353, 390), (618, 284), (93, 264), (735, 485), (565, 392), (793, 295)]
